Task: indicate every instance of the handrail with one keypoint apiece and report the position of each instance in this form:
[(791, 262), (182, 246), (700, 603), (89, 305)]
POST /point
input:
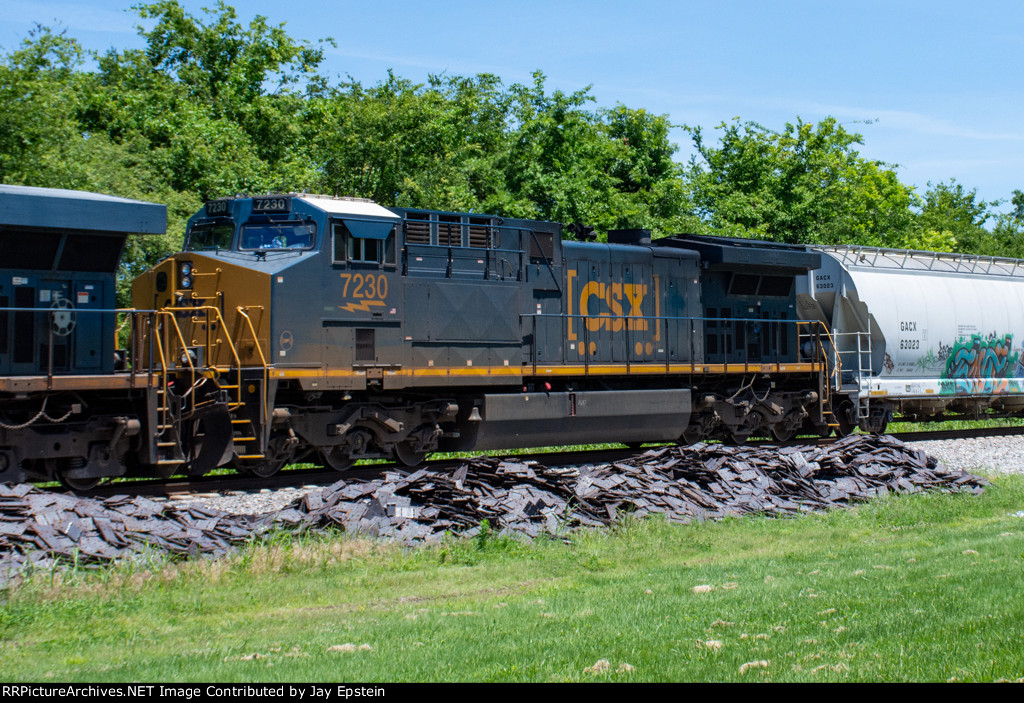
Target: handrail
[(663, 321), (858, 255), (167, 329), (265, 399), (181, 338)]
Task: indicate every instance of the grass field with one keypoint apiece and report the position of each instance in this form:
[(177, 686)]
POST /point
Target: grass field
[(922, 588)]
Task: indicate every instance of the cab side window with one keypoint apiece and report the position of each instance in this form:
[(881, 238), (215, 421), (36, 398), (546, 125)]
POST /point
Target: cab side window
[(340, 235), (367, 251), (349, 246)]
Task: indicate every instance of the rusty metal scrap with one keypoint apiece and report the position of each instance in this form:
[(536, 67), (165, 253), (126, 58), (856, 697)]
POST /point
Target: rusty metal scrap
[(43, 529), (704, 481)]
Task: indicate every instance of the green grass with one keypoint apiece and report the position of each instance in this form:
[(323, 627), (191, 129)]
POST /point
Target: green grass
[(949, 425), (920, 588)]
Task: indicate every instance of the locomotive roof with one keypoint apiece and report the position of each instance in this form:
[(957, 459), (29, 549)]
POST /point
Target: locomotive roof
[(53, 208), (358, 207), (732, 241), (734, 253)]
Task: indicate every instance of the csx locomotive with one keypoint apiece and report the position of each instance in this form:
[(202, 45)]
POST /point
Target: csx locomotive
[(328, 329), (339, 328)]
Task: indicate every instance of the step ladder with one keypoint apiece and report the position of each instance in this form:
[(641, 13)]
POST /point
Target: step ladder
[(864, 373), (168, 440)]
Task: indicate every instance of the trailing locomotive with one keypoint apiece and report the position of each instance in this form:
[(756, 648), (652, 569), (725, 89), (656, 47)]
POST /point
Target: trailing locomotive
[(65, 410)]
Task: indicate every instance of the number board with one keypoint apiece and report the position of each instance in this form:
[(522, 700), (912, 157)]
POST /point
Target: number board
[(217, 207), (277, 204)]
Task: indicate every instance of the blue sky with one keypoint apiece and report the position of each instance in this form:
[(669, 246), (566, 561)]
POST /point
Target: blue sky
[(940, 82)]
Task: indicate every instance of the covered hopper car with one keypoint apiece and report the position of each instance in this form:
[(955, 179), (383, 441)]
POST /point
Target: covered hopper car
[(919, 335)]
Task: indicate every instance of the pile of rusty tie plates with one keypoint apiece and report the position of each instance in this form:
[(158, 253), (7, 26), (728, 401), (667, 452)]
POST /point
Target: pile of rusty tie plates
[(703, 481)]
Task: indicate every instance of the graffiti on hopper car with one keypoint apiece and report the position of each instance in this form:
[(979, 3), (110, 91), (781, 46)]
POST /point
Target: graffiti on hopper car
[(978, 357), (980, 365), (981, 386)]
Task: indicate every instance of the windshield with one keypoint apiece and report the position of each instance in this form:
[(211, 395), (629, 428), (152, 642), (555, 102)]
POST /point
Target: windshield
[(210, 236), (279, 235)]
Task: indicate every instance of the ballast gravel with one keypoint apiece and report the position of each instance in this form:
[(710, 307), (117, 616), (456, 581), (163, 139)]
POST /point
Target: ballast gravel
[(983, 455)]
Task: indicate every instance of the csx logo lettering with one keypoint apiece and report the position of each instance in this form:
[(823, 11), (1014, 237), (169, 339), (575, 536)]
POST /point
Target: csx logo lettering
[(608, 302)]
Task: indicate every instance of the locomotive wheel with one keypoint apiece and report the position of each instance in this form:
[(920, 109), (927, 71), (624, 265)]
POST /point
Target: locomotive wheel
[(842, 415), (407, 456), (260, 468), (739, 436), (78, 485), (781, 433), (337, 460), (691, 435)]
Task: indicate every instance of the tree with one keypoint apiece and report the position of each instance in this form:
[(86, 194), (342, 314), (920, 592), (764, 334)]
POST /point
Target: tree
[(611, 169), (951, 218), (471, 144), (554, 165), (40, 92), (649, 191), (220, 104), (402, 143), (1008, 232), (805, 184)]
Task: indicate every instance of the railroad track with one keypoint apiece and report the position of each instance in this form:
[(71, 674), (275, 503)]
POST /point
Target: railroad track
[(298, 478)]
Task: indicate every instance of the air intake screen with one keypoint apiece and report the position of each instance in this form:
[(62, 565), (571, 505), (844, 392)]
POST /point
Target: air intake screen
[(417, 229), (365, 346)]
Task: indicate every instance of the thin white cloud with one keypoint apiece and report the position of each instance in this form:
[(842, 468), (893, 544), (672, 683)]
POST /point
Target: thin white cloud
[(699, 104), (916, 122), (954, 165), (74, 16)]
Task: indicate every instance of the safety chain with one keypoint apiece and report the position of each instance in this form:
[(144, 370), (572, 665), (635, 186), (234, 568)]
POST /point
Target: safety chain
[(41, 414)]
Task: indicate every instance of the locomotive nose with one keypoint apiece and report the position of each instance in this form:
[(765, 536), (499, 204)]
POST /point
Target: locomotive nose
[(212, 311)]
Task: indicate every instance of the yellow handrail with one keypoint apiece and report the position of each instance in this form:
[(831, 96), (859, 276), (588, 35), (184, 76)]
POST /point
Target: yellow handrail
[(263, 359)]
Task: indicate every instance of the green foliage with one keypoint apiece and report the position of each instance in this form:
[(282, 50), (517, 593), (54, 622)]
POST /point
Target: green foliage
[(1008, 233), (199, 94), (473, 144), (401, 143), (806, 184), (40, 89), (951, 218)]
